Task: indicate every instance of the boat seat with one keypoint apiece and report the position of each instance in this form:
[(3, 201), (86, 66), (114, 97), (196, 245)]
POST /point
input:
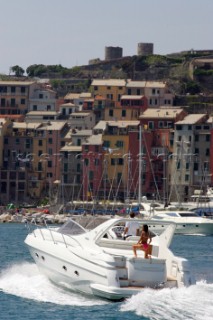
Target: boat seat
[(116, 244)]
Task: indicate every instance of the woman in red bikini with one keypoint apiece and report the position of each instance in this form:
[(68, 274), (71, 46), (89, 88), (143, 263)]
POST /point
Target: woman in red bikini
[(144, 242)]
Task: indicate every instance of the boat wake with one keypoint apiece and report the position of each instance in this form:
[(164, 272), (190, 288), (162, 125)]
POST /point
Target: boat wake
[(194, 302), (24, 280)]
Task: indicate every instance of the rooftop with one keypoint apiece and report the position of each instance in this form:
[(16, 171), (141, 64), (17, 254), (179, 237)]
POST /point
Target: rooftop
[(145, 84), (192, 119), (163, 112), (109, 82)]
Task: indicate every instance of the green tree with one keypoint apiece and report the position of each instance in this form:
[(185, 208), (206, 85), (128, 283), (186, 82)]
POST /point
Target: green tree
[(19, 71)]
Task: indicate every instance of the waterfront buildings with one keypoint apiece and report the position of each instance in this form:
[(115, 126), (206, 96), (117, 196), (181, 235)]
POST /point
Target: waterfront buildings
[(89, 145)]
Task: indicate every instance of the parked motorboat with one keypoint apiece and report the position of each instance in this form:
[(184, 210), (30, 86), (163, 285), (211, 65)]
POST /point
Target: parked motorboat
[(187, 222), (101, 263)]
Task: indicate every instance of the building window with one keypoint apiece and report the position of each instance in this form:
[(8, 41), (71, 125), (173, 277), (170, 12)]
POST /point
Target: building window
[(119, 144), (120, 161), (13, 102), (3, 89), (196, 137), (3, 102), (160, 124), (28, 143), (207, 152), (22, 101), (95, 88), (23, 89), (138, 92), (13, 89), (113, 161), (111, 113), (106, 144), (34, 108), (186, 177), (49, 164), (123, 113), (40, 142), (110, 96), (50, 140), (208, 137), (108, 88), (187, 165), (151, 124), (196, 166), (40, 96)]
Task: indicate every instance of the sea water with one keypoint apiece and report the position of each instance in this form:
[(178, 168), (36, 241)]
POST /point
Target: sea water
[(27, 294)]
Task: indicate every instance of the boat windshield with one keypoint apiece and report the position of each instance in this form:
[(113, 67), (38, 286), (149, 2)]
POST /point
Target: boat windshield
[(188, 214), (71, 228)]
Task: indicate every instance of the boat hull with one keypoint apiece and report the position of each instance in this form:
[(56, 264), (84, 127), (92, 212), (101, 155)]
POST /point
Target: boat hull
[(91, 263)]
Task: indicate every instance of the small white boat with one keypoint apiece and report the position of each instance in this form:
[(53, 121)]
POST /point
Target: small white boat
[(101, 263)]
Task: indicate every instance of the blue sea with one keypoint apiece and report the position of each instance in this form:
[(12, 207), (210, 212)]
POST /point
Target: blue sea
[(27, 294)]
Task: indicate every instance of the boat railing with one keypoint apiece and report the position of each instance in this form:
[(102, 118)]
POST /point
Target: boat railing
[(40, 227)]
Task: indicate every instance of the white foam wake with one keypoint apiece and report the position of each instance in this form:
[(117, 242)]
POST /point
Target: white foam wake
[(194, 302), (24, 280)]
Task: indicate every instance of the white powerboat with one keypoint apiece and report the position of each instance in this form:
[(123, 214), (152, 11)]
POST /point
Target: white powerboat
[(187, 222), (101, 263)]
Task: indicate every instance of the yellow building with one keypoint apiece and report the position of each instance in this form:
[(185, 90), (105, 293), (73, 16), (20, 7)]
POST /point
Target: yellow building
[(111, 89), (116, 160)]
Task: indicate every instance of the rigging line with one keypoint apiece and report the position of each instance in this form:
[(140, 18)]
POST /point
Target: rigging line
[(100, 182), (151, 166), (174, 180), (120, 180), (114, 175), (135, 189), (111, 185)]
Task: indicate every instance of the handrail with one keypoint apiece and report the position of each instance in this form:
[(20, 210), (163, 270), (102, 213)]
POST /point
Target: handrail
[(33, 221)]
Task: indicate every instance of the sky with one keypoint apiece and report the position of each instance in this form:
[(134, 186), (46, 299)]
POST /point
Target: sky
[(72, 32)]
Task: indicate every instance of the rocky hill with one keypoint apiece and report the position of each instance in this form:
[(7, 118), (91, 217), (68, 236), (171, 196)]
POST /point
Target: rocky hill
[(194, 89)]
